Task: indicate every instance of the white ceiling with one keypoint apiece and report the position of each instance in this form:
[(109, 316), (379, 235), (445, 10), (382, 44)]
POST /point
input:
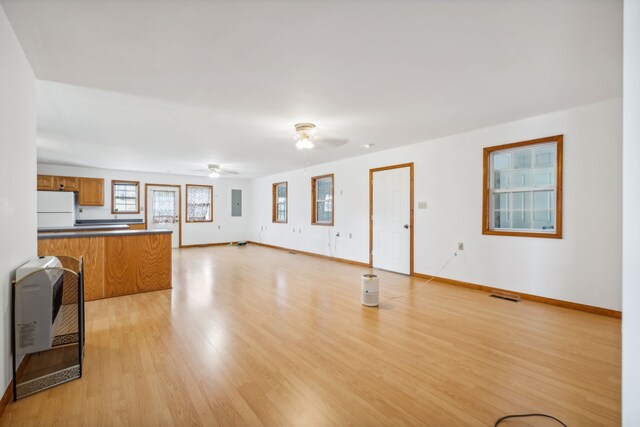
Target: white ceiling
[(172, 85)]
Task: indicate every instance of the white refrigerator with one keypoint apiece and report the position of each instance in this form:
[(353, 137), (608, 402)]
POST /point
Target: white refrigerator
[(56, 209)]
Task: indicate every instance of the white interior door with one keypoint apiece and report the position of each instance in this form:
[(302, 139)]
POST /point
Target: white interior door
[(163, 210), (391, 219)]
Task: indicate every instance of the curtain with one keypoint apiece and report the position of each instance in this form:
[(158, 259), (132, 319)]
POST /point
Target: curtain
[(198, 204), (164, 207)]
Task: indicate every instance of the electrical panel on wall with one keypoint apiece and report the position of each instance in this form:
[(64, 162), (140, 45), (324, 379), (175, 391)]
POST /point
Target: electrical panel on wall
[(236, 202)]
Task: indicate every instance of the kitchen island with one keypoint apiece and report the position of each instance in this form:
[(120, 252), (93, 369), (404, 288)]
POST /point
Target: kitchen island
[(117, 262)]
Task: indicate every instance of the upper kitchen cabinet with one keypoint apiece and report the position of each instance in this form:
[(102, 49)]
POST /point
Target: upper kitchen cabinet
[(91, 192), (67, 183), (58, 183), (46, 183)]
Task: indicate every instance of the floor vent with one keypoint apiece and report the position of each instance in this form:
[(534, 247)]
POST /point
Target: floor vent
[(292, 253), (505, 295)]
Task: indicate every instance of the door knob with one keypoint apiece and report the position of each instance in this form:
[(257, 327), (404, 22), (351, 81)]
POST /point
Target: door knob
[(406, 226)]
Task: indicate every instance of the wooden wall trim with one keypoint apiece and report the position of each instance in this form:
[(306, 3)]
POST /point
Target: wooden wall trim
[(535, 298), (186, 203), (343, 260), (205, 245), (6, 397), (486, 204), (314, 204), (411, 207)]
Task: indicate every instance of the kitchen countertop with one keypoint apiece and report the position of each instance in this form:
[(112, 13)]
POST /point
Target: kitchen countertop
[(106, 233), (72, 228)]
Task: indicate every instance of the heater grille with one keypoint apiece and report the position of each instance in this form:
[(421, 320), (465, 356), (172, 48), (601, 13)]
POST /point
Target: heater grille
[(505, 295)]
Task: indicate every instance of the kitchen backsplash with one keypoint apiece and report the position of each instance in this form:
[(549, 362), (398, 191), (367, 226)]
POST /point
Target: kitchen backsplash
[(102, 212)]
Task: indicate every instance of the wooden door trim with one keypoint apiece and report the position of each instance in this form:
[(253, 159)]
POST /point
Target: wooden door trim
[(146, 220), (411, 232)]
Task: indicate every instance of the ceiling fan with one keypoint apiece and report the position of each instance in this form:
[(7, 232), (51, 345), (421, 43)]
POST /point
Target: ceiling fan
[(215, 170), (306, 136)]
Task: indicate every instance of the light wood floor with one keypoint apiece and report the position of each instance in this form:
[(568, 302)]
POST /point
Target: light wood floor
[(257, 336)]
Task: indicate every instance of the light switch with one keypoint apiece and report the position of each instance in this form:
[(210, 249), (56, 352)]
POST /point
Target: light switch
[(422, 205)]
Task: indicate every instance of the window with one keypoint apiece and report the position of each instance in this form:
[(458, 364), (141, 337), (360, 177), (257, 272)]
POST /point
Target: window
[(164, 208), (322, 200), (523, 188), (279, 195), (125, 197), (199, 203)]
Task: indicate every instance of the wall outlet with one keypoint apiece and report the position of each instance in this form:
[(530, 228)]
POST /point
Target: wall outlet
[(299, 230), (460, 246), (219, 227), (338, 234), (422, 205), (350, 235)]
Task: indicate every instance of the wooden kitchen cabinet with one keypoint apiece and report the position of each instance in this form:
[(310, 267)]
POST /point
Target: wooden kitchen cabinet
[(46, 183), (67, 183), (91, 192)]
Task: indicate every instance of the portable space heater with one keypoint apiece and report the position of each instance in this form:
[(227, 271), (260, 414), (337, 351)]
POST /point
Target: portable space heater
[(370, 290), (38, 299)]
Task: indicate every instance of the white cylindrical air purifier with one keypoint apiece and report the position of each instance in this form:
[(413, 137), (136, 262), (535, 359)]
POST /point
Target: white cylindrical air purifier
[(370, 290)]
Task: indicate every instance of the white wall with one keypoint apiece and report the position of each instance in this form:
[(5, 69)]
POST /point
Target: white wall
[(224, 227), (18, 241), (631, 217), (583, 267)]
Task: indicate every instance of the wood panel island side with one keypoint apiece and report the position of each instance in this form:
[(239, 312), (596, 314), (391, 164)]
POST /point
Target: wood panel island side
[(116, 262)]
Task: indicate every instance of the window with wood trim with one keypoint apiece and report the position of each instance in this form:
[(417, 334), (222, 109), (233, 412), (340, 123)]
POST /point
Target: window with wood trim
[(280, 202), (199, 203), (523, 188), (322, 209), (125, 197)]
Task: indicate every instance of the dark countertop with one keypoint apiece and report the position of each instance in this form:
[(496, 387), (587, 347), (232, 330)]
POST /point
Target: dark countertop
[(83, 228), (79, 234), (109, 221)]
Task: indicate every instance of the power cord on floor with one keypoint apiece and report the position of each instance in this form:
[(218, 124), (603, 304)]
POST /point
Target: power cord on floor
[(334, 250), (506, 417), (435, 276)]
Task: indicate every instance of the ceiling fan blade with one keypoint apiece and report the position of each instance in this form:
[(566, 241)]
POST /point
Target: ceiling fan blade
[(331, 142), (227, 172)]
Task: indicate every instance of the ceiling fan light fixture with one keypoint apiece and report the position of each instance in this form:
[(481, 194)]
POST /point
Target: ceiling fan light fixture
[(304, 134), (214, 174), (304, 143)]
